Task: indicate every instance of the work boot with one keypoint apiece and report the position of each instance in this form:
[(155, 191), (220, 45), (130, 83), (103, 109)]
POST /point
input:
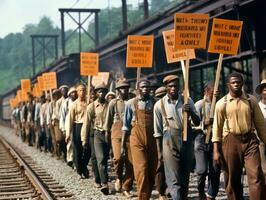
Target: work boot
[(105, 189)]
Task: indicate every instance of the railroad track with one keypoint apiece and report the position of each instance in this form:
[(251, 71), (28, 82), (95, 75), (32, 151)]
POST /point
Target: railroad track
[(21, 178)]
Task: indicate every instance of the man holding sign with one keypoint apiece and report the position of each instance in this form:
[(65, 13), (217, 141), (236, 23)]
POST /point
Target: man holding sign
[(168, 125)]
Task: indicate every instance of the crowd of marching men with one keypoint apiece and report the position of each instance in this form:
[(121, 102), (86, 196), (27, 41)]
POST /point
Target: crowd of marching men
[(144, 133)]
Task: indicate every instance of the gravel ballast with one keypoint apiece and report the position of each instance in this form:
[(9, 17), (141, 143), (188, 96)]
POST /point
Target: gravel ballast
[(83, 189)]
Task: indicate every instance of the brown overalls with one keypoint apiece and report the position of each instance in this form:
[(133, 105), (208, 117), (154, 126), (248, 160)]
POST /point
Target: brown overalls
[(144, 152), (127, 180)]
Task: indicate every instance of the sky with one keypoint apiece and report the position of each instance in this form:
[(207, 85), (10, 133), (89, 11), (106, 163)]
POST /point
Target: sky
[(15, 14)]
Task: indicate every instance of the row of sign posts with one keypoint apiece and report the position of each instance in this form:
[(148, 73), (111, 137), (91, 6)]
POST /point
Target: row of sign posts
[(189, 33)]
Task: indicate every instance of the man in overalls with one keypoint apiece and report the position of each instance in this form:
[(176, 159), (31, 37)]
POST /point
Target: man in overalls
[(138, 126), (175, 154), (114, 123)]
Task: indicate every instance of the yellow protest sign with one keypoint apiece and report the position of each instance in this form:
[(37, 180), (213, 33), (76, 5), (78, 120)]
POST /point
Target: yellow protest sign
[(140, 50), (173, 54), (25, 85), (89, 64), (102, 77), (191, 30), (225, 36), (49, 80)]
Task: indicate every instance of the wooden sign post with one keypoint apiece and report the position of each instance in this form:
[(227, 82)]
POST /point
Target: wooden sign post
[(89, 66), (139, 52), (190, 33), (225, 38)]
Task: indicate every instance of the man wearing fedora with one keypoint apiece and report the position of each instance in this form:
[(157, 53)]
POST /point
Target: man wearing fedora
[(95, 117), (113, 124), (261, 91)]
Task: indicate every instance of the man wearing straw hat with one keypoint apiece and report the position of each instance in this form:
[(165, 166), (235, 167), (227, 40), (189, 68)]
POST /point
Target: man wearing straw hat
[(75, 119), (261, 90), (113, 124), (72, 96), (235, 144), (176, 155)]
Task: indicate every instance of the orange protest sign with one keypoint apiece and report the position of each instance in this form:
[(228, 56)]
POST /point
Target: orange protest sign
[(12, 102), (225, 36), (191, 30), (24, 95), (40, 83), (49, 80), (89, 64), (139, 51), (173, 54), (102, 77), (25, 85), (19, 96)]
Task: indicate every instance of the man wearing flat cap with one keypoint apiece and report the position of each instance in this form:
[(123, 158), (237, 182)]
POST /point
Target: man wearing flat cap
[(95, 116), (75, 119), (113, 124), (59, 137), (138, 127), (261, 91), (72, 96), (175, 154)]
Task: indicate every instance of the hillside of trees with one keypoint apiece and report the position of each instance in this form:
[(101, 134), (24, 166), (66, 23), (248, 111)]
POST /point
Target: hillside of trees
[(16, 49)]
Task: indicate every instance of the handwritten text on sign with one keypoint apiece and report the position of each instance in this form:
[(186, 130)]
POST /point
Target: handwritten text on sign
[(225, 36), (191, 30), (49, 80), (89, 64), (172, 54), (139, 51)]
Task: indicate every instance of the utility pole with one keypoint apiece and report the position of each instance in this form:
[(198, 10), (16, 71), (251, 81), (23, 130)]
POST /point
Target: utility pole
[(124, 14)]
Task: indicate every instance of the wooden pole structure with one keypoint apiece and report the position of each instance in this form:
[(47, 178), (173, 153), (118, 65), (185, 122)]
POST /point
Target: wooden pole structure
[(216, 85), (183, 71), (186, 90), (89, 88), (138, 76)]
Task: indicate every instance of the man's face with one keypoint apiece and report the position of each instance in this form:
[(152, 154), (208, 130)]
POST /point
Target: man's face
[(235, 85), (209, 93), (101, 93), (81, 93), (263, 93), (123, 91), (64, 91), (144, 89), (73, 95), (172, 88)]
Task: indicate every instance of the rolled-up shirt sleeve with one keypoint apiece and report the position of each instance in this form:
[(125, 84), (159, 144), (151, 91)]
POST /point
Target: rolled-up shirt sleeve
[(127, 117), (218, 123), (158, 120)]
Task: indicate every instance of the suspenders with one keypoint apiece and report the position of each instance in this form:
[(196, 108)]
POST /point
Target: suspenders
[(225, 106)]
